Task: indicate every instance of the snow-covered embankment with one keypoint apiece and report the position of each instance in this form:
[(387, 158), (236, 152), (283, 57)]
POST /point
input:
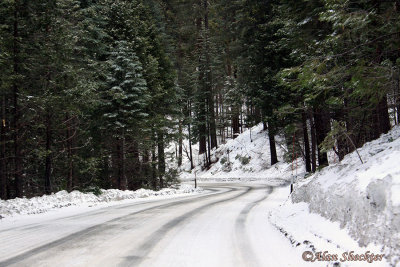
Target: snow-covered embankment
[(244, 158), (363, 199)]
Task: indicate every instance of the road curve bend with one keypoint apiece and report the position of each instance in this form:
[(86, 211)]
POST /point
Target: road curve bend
[(218, 228)]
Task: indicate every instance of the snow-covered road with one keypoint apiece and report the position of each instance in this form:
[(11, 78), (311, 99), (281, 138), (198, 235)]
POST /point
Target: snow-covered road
[(225, 226)]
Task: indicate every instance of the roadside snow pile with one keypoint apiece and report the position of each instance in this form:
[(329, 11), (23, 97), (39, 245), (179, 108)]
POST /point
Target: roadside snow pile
[(116, 195), (246, 158), (62, 199), (362, 198)]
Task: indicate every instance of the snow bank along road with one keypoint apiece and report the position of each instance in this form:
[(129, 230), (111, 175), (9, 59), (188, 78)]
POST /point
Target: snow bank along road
[(226, 226)]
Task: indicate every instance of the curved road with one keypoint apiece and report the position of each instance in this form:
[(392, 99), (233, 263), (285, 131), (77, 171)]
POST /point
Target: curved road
[(226, 226)]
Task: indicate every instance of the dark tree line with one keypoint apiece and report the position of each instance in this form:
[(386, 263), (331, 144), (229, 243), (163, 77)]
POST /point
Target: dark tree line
[(86, 91)]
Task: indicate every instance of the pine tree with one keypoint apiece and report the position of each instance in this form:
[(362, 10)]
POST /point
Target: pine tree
[(124, 102), (259, 62)]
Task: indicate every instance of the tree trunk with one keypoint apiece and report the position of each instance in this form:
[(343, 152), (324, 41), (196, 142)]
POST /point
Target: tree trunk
[(383, 113), (202, 129), (235, 122), (48, 160), (154, 167), (136, 172), (257, 115), (208, 158), (71, 181), (123, 164), (272, 145), (3, 162), (122, 181), (16, 111), (190, 148), (322, 129), (313, 145), (161, 157), (398, 96), (241, 120), (146, 167), (223, 116), (119, 163), (180, 144), (212, 124), (190, 136), (306, 142), (208, 82), (342, 147), (202, 112), (105, 170)]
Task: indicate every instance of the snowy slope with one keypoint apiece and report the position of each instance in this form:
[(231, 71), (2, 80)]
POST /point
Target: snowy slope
[(363, 201), (246, 158)]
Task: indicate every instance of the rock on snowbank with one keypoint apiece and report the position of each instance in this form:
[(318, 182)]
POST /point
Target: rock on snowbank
[(62, 199), (363, 198)]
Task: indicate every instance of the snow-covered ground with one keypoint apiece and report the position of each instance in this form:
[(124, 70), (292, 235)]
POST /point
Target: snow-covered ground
[(350, 206), (79, 201), (246, 158), (345, 207), (224, 226)]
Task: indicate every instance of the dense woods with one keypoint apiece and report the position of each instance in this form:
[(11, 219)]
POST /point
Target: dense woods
[(93, 91)]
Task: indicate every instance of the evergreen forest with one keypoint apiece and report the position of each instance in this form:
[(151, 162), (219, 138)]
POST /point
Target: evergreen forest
[(92, 92)]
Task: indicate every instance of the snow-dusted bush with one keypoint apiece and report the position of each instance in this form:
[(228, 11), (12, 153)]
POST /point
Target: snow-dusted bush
[(223, 160), (244, 160)]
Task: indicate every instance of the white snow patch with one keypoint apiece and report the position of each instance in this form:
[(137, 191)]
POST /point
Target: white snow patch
[(363, 201), (312, 232), (246, 158), (62, 199)]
